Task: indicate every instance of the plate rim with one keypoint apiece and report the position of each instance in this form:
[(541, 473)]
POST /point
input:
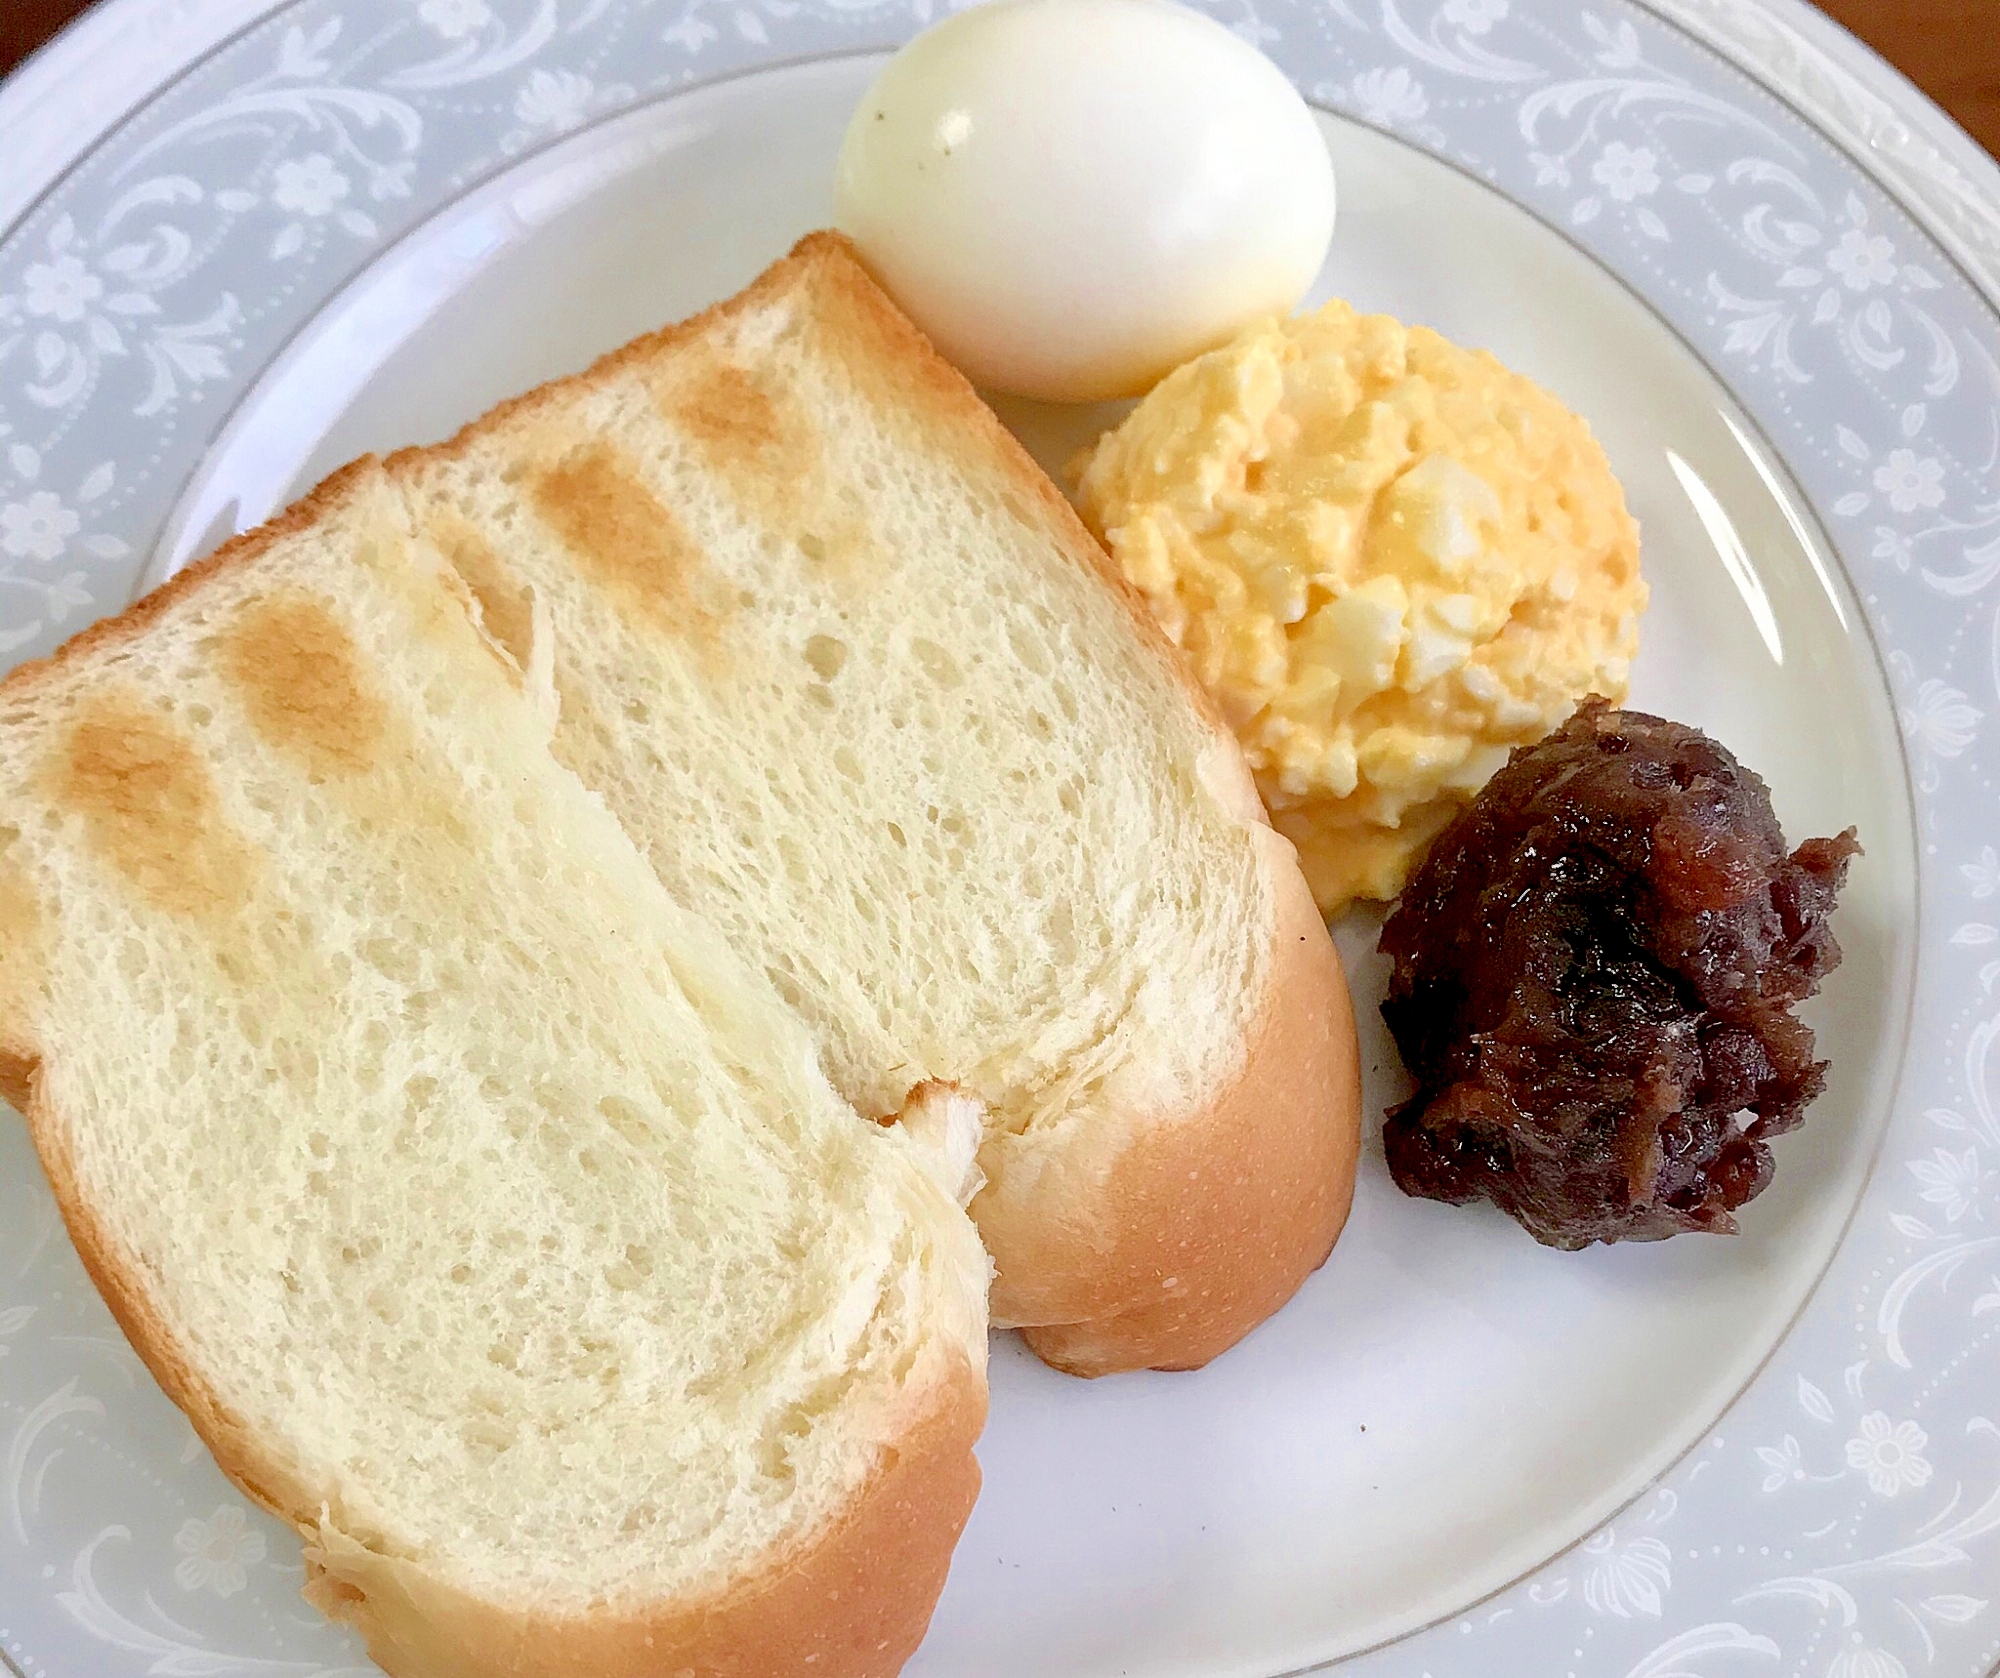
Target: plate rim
[(1981, 278), (1888, 126)]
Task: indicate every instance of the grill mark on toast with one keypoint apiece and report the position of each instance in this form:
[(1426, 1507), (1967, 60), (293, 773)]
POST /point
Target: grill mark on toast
[(731, 416), (871, 350), (149, 808), (303, 685), (763, 442), (628, 543), (297, 672)]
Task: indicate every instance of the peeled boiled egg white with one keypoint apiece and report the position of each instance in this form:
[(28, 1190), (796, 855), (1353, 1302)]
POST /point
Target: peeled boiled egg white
[(1072, 197)]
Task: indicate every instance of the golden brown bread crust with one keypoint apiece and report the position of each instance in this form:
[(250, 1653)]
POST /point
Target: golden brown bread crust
[(117, 1279), (853, 1602), (17, 1077), (21, 958), (1172, 1249)]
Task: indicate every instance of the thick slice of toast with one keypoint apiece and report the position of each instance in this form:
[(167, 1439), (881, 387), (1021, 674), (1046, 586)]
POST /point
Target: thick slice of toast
[(492, 1224), (847, 667)]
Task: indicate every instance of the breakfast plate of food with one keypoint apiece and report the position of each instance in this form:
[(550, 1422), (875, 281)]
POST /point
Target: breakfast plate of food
[(1078, 838)]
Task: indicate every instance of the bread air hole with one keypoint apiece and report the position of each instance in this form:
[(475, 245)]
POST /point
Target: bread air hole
[(937, 664), (627, 1118), (1061, 931), (1030, 654), (827, 655), (392, 958), (488, 1433)]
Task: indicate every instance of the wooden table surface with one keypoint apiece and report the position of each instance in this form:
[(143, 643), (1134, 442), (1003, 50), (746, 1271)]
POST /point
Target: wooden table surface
[(1949, 48)]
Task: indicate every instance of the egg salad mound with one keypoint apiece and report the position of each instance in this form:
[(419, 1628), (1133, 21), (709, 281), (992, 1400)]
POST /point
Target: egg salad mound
[(1391, 561)]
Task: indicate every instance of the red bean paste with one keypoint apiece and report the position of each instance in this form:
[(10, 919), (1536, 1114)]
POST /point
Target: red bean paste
[(1595, 971)]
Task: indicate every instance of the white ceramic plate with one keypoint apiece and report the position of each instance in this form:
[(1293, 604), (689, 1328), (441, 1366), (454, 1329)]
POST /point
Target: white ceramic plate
[(357, 224)]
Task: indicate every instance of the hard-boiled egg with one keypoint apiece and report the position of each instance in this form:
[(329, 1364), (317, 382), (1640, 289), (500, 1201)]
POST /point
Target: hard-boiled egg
[(1074, 196)]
